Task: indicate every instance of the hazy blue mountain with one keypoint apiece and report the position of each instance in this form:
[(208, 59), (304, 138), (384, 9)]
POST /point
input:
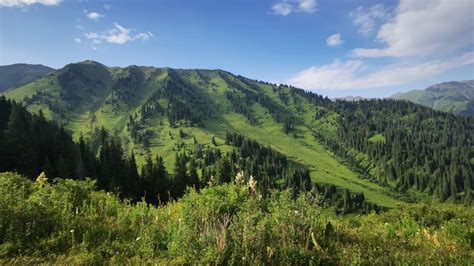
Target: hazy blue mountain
[(18, 74)]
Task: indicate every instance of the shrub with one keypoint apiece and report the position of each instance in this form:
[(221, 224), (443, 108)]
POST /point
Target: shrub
[(70, 222)]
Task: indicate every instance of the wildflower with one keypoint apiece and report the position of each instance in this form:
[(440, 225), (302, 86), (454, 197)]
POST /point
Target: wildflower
[(239, 178), (252, 184), (212, 181), (72, 231), (296, 212), (138, 238), (42, 180)]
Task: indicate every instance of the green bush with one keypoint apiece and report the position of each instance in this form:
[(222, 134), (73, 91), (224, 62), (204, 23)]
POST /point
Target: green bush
[(70, 222)]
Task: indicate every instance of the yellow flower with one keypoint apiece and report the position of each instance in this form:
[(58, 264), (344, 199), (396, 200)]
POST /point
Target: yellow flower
[(42, 180)]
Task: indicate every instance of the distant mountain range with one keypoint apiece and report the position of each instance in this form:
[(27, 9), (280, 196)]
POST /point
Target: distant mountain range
[(351, 98), (15, 75), (454, 97)]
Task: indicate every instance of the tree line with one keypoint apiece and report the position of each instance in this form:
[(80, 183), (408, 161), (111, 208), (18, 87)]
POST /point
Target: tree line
[(29, 144)]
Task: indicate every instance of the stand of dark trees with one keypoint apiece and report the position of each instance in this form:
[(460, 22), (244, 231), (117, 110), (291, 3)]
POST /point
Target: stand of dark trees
[(410, 145)]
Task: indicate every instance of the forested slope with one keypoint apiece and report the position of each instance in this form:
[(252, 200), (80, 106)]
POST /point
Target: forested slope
[(19, 74), (368, 147), (455, 97)]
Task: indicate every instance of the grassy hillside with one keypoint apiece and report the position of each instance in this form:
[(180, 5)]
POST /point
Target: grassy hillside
[(202, 103), (19, 74), (454, 97), (70, 222)]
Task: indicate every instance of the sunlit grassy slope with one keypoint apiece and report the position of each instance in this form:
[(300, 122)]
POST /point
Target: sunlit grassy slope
[(454, 97), (86, 96)]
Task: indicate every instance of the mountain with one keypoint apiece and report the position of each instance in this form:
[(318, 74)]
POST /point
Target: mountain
[(351, 98), (454, 97), (18, 74), (391, 152)]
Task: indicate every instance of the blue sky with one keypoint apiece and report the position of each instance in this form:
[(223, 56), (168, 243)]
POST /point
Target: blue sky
[(333, 47)]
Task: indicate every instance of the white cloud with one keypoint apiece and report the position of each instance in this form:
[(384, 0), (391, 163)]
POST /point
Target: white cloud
[(366, 18), (283, 9), (308, 6), (286, 7), (94, 37), (107, 6), (353, 74), (22, 3), (425, 28), (94, 16), (77, 40), (334, 40), (117, 35)]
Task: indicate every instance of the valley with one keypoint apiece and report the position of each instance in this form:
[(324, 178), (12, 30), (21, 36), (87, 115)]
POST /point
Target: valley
[(92, 98)]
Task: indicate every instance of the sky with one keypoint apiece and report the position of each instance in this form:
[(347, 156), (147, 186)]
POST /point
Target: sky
[(368, 48)]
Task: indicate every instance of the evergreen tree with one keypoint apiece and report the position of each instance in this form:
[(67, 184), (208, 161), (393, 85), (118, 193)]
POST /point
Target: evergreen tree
[(193, 180)]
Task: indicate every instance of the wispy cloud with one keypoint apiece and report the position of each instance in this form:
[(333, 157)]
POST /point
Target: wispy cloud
[(77, 40), (308, 6), (283, 9), (425, 28), (334, 40), (107, 6), (352, 74), (366, 18), (117, 35), (94, 16), (424, 39), (23, 3), (286, 7)]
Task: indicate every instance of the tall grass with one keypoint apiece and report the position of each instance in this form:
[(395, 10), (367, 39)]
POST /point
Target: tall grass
[(67, 221)]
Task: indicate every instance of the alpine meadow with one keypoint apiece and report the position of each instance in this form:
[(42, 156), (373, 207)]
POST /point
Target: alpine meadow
[(223, 133)]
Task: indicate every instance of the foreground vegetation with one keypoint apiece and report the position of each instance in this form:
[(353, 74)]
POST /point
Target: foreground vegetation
[(69, 221)]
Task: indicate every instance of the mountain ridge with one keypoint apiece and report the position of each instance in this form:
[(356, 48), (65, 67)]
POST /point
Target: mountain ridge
[(162, 111), (159, 99), (15, 75), (455, 96)]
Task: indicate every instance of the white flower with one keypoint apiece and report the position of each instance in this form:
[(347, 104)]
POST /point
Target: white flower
[(138, 238), (72, 231), (239, 178), (296, 212), (252, 184), (212, 181)]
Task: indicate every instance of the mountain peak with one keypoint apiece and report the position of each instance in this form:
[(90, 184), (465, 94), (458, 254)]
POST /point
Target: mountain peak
[(91, 62), (15, 75), (454, 96)]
